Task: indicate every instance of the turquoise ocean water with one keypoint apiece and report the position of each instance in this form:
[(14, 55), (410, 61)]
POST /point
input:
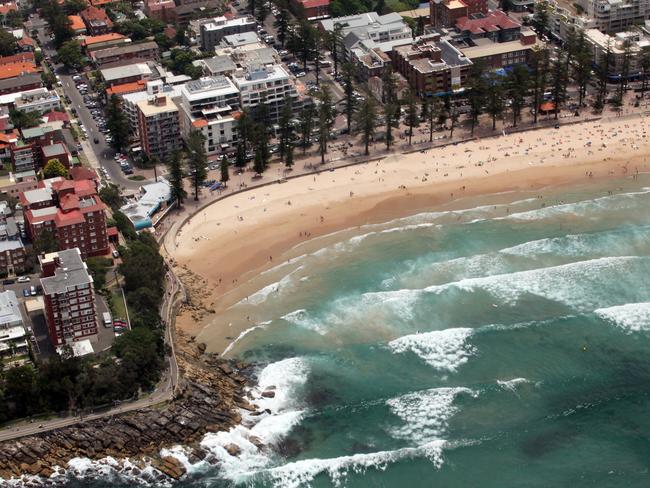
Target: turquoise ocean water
[(505, 343)]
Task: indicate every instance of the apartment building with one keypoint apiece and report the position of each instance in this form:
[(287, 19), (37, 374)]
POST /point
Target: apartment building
[(38, 100), (270, 84), (495, 39), (603, 45), (144, 51), (310, 9), (371, 25), (21, 82), (69, 297), (71, 210), (142, 91), (159, 127), (126, 74), (96, 20), (611, 16), (12, 251), (13, 336), (432, 65), (213, 31), (210, 105)]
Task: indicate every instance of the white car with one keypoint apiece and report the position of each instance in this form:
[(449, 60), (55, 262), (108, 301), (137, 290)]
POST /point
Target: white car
[(23, 279)]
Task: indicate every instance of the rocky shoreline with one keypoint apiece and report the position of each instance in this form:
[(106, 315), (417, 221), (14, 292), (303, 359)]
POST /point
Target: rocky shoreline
[(211, 393)]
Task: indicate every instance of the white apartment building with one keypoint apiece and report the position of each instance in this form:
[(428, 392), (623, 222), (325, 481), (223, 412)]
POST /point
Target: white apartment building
[(371, 25), (38, 100), (601, 43), (211, 105), (616, 15), (13, 336), (270, 83)]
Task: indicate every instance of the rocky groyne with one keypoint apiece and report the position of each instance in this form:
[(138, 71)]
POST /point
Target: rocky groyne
[(208, 399)]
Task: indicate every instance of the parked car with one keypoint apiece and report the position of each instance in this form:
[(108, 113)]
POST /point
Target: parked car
[(26, 292), (32, 290), (8, 281), (23, 279)]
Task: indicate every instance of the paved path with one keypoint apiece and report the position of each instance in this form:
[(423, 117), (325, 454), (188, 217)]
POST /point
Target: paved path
[(164, 390)]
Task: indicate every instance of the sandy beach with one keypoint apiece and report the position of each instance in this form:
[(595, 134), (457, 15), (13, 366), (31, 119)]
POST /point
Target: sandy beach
[(222, 248)]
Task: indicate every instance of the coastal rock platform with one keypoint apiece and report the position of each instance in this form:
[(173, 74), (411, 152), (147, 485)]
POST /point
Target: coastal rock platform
[(208, 398)]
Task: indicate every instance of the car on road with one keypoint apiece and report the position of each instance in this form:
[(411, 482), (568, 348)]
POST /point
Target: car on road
[(23, 279), (95, 140)]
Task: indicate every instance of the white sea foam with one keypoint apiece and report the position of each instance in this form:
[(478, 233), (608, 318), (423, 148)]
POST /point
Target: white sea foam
[(303, 473), (512, 384), (303, 319), (445, 350), (425, 413), (617, 202), (633, 317), (244, 334), (261, 296), (577, 284), (286, 378), (618, 241), (120, 471)]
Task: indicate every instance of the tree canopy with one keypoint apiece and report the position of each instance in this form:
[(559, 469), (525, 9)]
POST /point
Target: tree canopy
[(54, 168)]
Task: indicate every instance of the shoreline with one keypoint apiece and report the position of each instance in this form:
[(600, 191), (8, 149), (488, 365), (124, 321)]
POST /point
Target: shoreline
[(220, 250), (212, 397)]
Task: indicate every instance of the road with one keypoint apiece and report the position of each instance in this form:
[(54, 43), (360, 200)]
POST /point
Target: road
[(100, 154)]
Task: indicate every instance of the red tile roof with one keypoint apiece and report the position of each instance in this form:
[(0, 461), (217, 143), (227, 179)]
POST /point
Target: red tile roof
[(8, 7), (18, 58), (94, 13), (76, 23), (314, 3), (125, 88), (14, 69), (111, 36), (63, 219), (56, 116), (492, 22), (79, 173), (69, 201)]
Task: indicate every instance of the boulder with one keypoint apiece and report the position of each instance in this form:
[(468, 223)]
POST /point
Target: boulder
[(268, 394), (172, 467), (233, 449)]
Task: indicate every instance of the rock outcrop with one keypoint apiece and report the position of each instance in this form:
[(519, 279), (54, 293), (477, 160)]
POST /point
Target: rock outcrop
[(208, 398)]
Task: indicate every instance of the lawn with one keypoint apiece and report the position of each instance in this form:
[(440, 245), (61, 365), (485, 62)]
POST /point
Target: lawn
[(117, 304)]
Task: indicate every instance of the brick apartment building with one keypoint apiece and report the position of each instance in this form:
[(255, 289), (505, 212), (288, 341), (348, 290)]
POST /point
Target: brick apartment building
[(431, 65), (96, 20), (143, 51), (68, 296), (72, 211)]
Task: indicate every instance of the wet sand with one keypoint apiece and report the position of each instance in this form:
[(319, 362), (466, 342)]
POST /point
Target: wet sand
[(220, 251)]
